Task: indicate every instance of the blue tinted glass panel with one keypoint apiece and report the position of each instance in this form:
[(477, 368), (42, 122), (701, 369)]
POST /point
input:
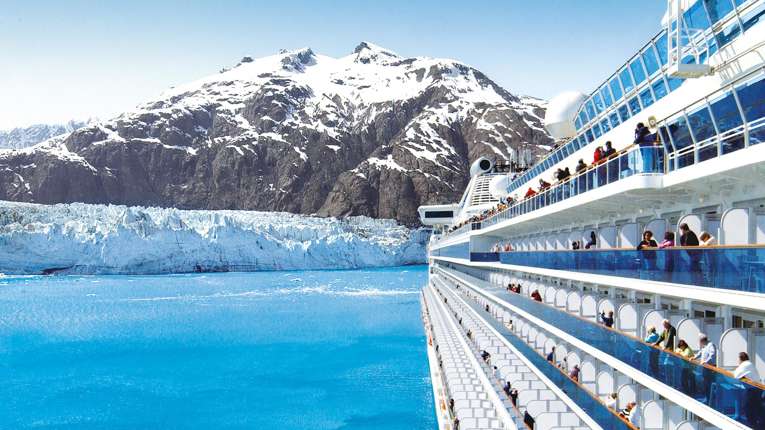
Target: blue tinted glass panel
[(589, 136), (752, 98), (674, 83), (718, 9), (634, 105), (731, 32), (606, 96), (659, 88), (596, 130), (696, 17), (605, 126), (614, 117), (701, 124), (616, 89), (598, 103), (590, 109), (637, 71), (583, 117), (578, 123), (646, 97), (649, 59), (753, 17), (661, 48), (626, 79), (727, 115), (712, 43), (681, 135), (624, 113)]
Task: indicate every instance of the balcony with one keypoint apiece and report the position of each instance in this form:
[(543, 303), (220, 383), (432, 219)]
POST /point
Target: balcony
[(730, 268), (740, 401)]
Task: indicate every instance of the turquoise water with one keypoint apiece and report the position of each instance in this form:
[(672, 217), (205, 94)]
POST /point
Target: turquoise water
[(271, 350)]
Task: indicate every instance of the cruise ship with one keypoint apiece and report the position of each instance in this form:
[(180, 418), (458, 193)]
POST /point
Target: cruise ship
[(618, 283)]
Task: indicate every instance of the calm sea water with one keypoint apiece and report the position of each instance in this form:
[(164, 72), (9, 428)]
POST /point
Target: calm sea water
[(278, 350)]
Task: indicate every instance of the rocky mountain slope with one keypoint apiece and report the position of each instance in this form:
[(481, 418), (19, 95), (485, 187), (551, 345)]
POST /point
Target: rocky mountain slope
[(24, 137), (370, 133)]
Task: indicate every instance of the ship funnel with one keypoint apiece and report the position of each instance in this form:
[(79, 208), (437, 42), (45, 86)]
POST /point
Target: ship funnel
[(481, 165)]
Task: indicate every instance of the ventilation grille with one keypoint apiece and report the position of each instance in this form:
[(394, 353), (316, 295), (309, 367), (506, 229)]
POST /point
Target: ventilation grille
[(480, 193)]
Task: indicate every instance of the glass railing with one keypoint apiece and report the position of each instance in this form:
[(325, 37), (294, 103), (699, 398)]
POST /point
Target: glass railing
[(592, 406), (729, 268), (742, 402), (460, 250), (634, 161)]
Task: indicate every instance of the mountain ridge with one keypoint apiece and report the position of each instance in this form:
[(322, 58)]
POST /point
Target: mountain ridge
[(371, 133)]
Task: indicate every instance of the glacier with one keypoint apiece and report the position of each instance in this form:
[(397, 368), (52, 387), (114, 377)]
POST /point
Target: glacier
[(82, 238)]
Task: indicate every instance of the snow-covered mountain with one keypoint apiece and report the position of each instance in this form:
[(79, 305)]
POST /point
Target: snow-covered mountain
[(24, 137), (81, 238), (371, 133)]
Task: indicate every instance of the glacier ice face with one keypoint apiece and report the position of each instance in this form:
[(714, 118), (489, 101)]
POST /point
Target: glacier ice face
[(109, 239)]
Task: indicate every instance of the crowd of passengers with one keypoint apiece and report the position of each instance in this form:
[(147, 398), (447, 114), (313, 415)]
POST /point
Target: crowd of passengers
[(687, 238), (643, 137), (667, 340)]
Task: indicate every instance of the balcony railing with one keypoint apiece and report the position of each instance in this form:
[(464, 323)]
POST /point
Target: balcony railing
[(633, 161), (743, 402), (740, 268)]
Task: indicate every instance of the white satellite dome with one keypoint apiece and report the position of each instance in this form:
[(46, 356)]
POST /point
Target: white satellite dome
[(561, 114)]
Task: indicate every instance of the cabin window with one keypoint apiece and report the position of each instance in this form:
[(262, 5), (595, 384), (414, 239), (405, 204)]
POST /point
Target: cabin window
[(616, 89), (681, 135), (649, 58), (659, 88), (752, 98), (598, 103), (605, 94), (696, 17), (646, 97), (590, 109), (605, 126), (637, 71), (626, 79), (701, 124), (614, 117), (718, 9), (624, 113), (634, 105), (661, 48)]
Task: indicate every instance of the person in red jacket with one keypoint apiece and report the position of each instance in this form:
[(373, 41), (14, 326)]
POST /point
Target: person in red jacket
[(597, 156), (530, 193)]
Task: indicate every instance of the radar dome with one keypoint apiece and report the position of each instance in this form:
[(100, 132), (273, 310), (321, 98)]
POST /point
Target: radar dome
[(561, 114)]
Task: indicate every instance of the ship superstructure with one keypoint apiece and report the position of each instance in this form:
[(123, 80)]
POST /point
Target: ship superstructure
[(625, 288)]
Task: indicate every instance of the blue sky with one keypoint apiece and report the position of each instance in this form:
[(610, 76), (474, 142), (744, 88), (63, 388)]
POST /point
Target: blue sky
[(75, 59)]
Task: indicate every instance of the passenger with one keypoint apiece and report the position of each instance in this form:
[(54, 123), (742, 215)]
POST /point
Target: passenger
[(708, 352), (487, 308), (687, 237), (575, 245), (456, 424), (507, 388), (608, 321), (610, 151), (528, 419), (486, 356), (551, 355), (566, 173), (706, 239), (669, 240), (530, 193), (495, 372), (581, 167), (642, 135), (667, 338), (451, 405), (536, 296), (630, 413), (652, 336), (597, 156), (683, 349), (648, 241), (574, 373), (611, 400), (593, 241), (514, 396), (543, 185), (559, 174), (746, 369)]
